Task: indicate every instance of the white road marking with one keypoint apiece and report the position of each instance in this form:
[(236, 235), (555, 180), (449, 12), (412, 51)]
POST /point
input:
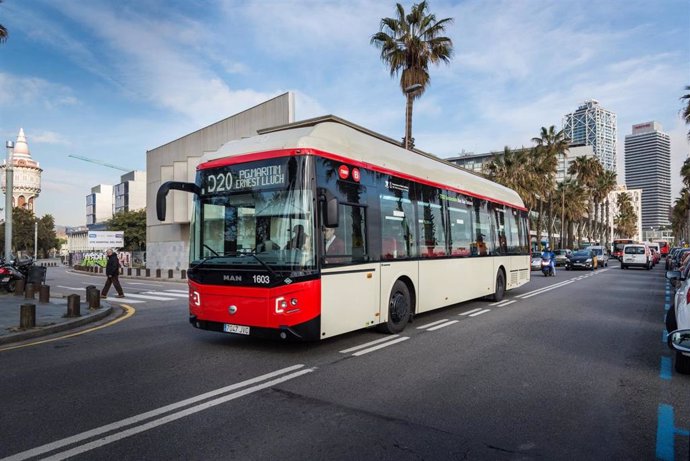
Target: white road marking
[(424, 327), (469, 312), (480, 312), (539, 290), (543, 290), (159, 411), (175, 295), (443, 325), (370, 343), (147, 297), (186, 292), (381, 346), (497, 303), (507, 303)]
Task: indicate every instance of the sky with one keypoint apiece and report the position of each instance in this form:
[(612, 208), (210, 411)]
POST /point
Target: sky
[(109, 80)]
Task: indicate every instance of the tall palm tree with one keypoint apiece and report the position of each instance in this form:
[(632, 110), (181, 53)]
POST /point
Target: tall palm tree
[(606, 184), (626, 219), (586, 170), (550, 145), (573, 207), (3, 32), (408, 43), (686, 109)]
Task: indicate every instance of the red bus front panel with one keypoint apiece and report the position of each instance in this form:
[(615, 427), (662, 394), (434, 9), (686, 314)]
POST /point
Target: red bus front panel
[(259, 308)]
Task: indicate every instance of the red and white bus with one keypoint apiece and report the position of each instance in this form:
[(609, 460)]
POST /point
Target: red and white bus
[(322, 227), (618, 244), (664, 247)]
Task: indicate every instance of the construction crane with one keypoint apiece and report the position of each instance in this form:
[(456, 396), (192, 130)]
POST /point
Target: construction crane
[(86, 159)]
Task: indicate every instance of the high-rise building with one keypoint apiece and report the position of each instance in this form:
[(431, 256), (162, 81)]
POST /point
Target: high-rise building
[(99, 205), (592, 125), (130, 193), (648, 167)]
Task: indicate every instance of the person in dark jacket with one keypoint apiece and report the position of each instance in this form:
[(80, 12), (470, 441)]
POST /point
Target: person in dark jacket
[(112, 270)]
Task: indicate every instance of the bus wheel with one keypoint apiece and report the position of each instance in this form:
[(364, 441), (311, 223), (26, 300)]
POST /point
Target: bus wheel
[(500, 287), (399, 309)]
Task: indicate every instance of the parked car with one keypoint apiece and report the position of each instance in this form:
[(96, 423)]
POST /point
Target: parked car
[(582, 259), (636, 255), (656, 256), (535, 263), (678, 320), (602, 255), (562, 256)]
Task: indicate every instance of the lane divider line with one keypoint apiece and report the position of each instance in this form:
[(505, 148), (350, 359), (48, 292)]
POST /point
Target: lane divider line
[(370, 343), (480, 312), (507, 303), (424, 327), (149, 414), (552, 287), (443, 325), (471, 311), (381, 346)]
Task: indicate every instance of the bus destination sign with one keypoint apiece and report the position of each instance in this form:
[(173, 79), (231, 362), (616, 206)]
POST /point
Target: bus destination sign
[(247, 178)]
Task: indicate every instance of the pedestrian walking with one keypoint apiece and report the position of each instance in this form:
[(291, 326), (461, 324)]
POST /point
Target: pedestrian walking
[(112, 270)]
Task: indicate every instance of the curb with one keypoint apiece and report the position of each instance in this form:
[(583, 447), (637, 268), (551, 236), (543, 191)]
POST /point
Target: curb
[(50, 329)]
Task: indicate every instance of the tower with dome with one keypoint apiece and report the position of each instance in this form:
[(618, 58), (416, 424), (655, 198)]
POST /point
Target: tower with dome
[(26, 185)]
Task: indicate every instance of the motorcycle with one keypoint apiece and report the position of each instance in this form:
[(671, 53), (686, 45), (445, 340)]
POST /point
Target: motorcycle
[(9, 276), (546, 267)]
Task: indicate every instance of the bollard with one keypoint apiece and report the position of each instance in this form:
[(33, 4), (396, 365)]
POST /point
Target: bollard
[(73, 307), (88, 293), (93, 298), (44, 294), (29, 293), (19, 287), (27, 316)]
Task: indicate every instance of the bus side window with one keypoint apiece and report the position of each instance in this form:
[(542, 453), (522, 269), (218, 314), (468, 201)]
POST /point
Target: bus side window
[(346, 243)]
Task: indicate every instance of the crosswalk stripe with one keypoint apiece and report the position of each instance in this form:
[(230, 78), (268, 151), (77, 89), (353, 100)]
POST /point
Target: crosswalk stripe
[(186, 292)]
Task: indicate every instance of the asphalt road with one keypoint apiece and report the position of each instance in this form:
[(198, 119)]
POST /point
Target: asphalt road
[(567, 367)]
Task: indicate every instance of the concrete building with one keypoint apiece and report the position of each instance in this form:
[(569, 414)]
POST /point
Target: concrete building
[(26, 176), (648, 167), (167, 243), (636, 199), (130, 193), (592, 125), (99, 205)]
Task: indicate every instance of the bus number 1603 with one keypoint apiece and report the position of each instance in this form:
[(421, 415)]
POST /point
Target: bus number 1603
[(263, 279)]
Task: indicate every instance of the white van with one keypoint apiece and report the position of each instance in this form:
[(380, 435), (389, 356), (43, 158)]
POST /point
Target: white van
[(602, 255), (636, 255)]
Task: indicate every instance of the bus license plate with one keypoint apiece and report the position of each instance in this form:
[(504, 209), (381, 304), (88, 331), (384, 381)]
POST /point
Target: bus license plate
[(239, 329)]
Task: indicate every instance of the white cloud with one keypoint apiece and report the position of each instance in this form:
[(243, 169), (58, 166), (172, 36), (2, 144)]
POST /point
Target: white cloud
[(17, 91)]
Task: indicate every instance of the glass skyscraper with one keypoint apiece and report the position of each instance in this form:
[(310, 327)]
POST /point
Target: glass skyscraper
[(648, 167), (592, 125)]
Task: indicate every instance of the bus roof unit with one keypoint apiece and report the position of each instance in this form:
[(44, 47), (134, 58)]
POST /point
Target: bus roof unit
[(333, 135)]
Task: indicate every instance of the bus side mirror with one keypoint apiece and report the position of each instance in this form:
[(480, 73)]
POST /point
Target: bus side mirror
[(329, 209), (163, 193)]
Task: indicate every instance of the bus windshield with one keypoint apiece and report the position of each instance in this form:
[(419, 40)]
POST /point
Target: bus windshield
[(254, 214)]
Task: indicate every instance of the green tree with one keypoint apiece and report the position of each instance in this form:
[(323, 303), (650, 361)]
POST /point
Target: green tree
[(133, 224), (626, 219), (606, 183), (24, 233), (550, 146), (409, 43)]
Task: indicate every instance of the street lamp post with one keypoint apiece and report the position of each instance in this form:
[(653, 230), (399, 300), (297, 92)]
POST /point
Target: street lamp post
[(408, 113), (9, 172)]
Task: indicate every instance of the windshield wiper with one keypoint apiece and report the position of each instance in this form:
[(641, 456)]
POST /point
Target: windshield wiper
[(215, 255), (266, 266)]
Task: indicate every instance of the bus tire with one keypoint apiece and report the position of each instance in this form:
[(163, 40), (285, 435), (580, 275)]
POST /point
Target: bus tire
[(399, 309), (500, 286)]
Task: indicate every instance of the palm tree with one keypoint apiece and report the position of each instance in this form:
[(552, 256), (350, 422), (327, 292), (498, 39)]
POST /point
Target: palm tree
[(679, 215), (550, 145), (686, 109), (573, 207), (3, 32), (626, 220), (408, 43), (606, 183), (586, 170)]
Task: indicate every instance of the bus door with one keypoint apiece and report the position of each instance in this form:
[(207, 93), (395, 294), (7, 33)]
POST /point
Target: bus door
[(349, 280)]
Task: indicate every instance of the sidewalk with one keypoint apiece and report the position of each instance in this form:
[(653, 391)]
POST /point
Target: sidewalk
[(50, 317)]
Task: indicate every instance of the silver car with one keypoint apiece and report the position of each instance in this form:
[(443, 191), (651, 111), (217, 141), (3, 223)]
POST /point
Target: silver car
[(535, 265), (562, 256), (602, 255)]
